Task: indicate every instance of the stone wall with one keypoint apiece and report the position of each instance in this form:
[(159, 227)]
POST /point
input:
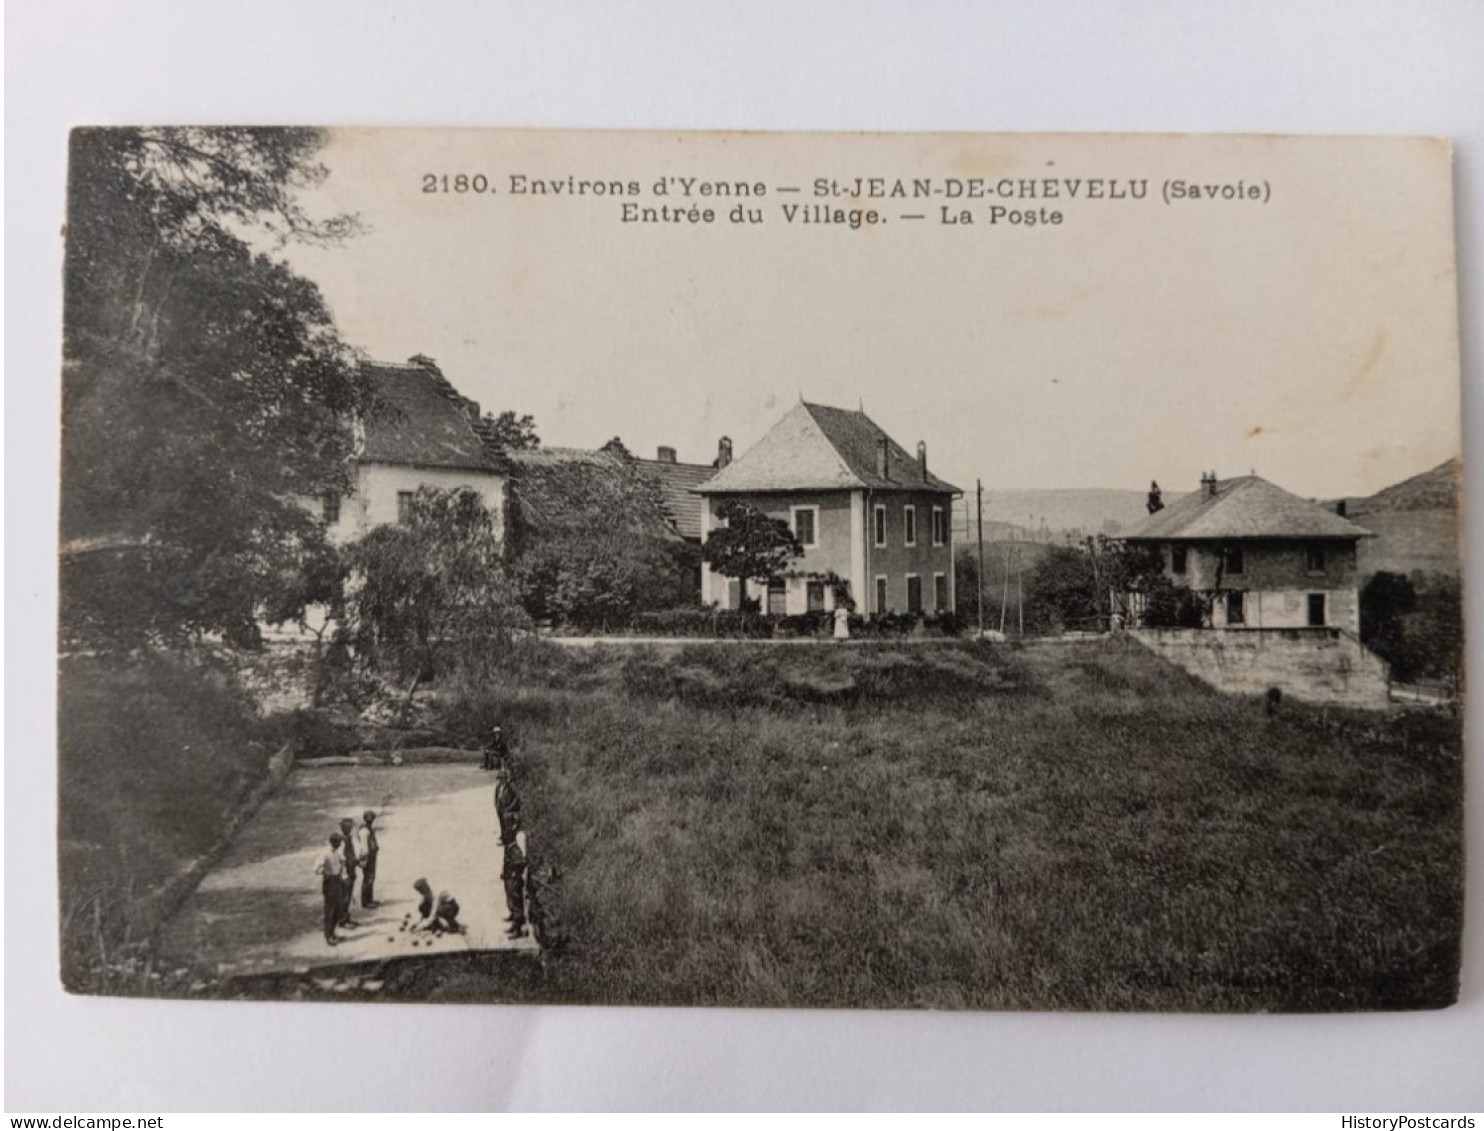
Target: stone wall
[(1317, 665)]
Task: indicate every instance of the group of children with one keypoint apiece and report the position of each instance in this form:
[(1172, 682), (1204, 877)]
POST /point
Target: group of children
[(353, 851)]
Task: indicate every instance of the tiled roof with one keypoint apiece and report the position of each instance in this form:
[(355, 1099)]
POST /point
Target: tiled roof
[(417, 418), (1246, 507), (815, 447), (677, 482), (558, 491)]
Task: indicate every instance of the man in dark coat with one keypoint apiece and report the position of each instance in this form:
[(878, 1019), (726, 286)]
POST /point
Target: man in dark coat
[(507, 805), (496, 752), (514, 876)]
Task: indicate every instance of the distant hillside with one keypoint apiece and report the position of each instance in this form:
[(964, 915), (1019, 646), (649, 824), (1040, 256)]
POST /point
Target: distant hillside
[(1090, 510), (1416, 523)]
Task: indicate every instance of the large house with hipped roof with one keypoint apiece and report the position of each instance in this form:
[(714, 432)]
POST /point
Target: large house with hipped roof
[(1265, 557), (873, 520)]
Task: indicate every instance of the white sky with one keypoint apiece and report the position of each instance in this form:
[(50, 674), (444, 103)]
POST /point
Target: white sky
[(1312, 339)]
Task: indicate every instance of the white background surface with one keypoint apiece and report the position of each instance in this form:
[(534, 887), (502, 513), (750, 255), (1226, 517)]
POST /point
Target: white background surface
[(1331, 67)]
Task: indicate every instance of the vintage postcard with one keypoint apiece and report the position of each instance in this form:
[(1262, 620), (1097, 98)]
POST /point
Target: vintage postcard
[(888, 571)]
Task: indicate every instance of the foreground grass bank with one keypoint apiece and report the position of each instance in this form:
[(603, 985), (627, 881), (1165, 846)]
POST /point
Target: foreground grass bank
[(947, 825), (1063, 827)]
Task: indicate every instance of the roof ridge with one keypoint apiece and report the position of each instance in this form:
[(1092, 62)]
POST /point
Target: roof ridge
[(829, 443)]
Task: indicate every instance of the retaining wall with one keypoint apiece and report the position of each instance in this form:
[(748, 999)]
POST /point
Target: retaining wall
[(1316, 665), (152, 909)]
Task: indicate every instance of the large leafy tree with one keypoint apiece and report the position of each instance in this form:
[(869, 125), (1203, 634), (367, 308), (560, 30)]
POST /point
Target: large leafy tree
[(431, 594), (750, 545), (591, 546), (206, 392)]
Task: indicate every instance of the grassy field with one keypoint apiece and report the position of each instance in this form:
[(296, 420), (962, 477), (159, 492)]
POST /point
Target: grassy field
[(1059, 827)]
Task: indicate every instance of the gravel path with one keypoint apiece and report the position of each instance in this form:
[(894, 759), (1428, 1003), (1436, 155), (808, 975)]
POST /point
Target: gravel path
[(260, 910)]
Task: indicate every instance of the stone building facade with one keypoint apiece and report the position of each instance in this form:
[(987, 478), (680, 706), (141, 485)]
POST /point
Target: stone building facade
[(869, 515)]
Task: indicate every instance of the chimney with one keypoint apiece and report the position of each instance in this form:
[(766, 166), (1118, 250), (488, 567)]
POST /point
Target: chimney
[(1208, 484), (881, 468), (922, 459), (666, 455), (1340, 508), (723, 452)]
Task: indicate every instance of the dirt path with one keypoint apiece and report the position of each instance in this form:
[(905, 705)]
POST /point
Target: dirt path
[(260, 909)]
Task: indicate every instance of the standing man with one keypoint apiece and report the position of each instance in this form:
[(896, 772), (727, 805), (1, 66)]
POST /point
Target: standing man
[(348, 841), (514, 876), (330, 867), (507, 805), (366, 850), (496, 752)]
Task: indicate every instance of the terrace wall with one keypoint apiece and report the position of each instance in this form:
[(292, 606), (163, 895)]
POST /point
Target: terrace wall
[(1316, 665)]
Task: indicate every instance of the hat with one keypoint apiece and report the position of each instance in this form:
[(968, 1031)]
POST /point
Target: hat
[(368, 815), (422, 885)]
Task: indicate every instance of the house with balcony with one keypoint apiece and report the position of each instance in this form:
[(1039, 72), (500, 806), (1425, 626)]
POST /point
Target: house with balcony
[(874, 521)]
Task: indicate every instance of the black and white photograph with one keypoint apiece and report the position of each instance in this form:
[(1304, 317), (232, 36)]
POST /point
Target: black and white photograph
[(967, 572)]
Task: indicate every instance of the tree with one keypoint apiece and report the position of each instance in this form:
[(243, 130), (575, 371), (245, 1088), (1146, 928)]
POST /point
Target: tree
[(205, 388), (591, 546), (750, 545), (1415, 624), (512, 433), (431, 595)]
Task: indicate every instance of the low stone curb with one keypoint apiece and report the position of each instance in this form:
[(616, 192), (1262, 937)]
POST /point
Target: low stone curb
[(151, 910)]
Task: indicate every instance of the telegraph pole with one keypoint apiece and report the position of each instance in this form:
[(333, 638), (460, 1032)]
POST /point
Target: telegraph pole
[(979, 499)]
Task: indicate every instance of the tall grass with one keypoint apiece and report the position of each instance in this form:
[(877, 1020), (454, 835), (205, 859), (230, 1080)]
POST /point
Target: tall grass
[(153, 753), (958, 826)]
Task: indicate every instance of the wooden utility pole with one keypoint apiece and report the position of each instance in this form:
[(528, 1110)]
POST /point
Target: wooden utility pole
[(1005, 588), (979, 501), (1020, 591)]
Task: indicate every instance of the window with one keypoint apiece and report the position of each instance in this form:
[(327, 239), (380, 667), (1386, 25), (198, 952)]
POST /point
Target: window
[(909, 525), (1231, 559), (1314, 559), (404, 507), (940, 592), (878, 525), (330, 508), (940, 527), (1177, 559), (816, 596), (1316, 610), (914, 593), (1236, 609), (777, 597), (806, 523), (880, 593)]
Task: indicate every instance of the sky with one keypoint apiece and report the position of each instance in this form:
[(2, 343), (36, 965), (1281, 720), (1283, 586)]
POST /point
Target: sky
[(1305, 330)]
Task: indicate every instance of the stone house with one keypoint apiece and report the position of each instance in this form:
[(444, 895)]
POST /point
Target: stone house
[(418, 431), (1265, 557), (868, 514)]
